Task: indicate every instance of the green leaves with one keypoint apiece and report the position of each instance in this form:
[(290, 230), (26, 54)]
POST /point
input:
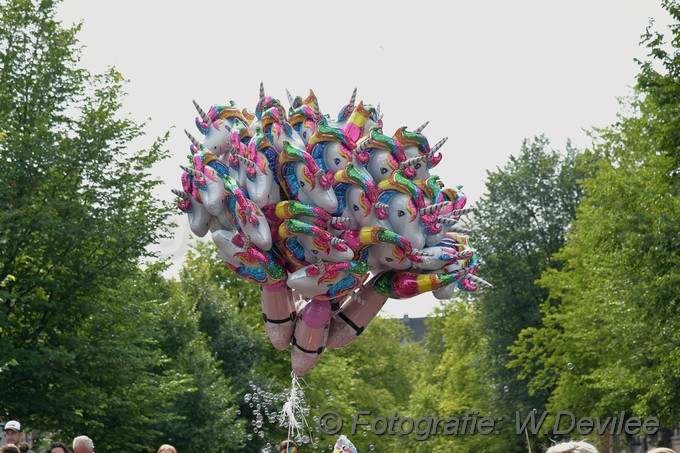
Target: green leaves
[(613, 305), (84, 330)]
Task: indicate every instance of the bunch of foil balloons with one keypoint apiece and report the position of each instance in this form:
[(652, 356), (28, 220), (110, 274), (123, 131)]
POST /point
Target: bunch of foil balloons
[(330, 217)]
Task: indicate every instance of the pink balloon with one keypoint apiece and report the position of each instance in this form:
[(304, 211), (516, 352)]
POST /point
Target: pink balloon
[(311, 333), (354, 316), (278, 310)]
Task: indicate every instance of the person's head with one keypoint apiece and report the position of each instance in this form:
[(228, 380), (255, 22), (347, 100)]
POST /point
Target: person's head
[(661, 450), (58, 447), (287, 446), (23, 447), (572, 447), (167, 449), (10, 448), (83, 444), (13, 432)]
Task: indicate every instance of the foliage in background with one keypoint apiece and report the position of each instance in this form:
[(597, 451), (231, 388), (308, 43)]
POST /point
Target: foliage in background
[(89, 339), (522, 219), (614, 307)]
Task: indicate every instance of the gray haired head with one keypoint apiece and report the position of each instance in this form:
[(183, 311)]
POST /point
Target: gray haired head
[(84, 441)]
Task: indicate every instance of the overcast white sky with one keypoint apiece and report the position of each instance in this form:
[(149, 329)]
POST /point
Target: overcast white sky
[(485, 74)]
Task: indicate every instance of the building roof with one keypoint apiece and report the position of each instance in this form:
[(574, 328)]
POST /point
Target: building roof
[(418, 327)]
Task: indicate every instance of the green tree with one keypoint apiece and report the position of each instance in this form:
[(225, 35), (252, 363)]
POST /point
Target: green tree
[(230, 315), (204, 405), (452, 382), (522, 221), (377, 373), (613, 306), (82, 328)]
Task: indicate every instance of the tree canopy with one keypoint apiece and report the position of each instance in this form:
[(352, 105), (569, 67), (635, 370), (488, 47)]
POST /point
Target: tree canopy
[(85, 314), (612, 311)]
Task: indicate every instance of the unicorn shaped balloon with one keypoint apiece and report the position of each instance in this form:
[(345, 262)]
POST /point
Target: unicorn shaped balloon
[(330, 217), (303, 180)]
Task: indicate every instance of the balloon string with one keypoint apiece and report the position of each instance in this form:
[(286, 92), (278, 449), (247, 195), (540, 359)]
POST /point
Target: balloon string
[(293, 409)]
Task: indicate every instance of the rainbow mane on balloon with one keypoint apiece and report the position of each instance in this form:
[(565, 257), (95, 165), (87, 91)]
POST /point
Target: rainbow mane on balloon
[(330, 217)]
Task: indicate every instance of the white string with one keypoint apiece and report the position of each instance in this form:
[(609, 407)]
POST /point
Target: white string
[(294, 409)]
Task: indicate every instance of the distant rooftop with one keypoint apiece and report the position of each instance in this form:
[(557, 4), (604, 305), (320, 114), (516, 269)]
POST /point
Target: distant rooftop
[(418, 327)]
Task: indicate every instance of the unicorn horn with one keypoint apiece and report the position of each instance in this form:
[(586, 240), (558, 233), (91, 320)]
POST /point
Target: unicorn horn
[(462, 211), (441, 220), (193, 139), (181, 194), (433, 207), (365, 144), (335, 241), (379, 205), (377, 112), (246, 242), (320, 265), (245, 160), (261, 90), (352, 99), (439, 144), (420, 129), (335, 220), (201, 113), (191, 171), (418, 252), (457, 229), (290, 98), (479, 280), (411, 162), (465, 254)]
